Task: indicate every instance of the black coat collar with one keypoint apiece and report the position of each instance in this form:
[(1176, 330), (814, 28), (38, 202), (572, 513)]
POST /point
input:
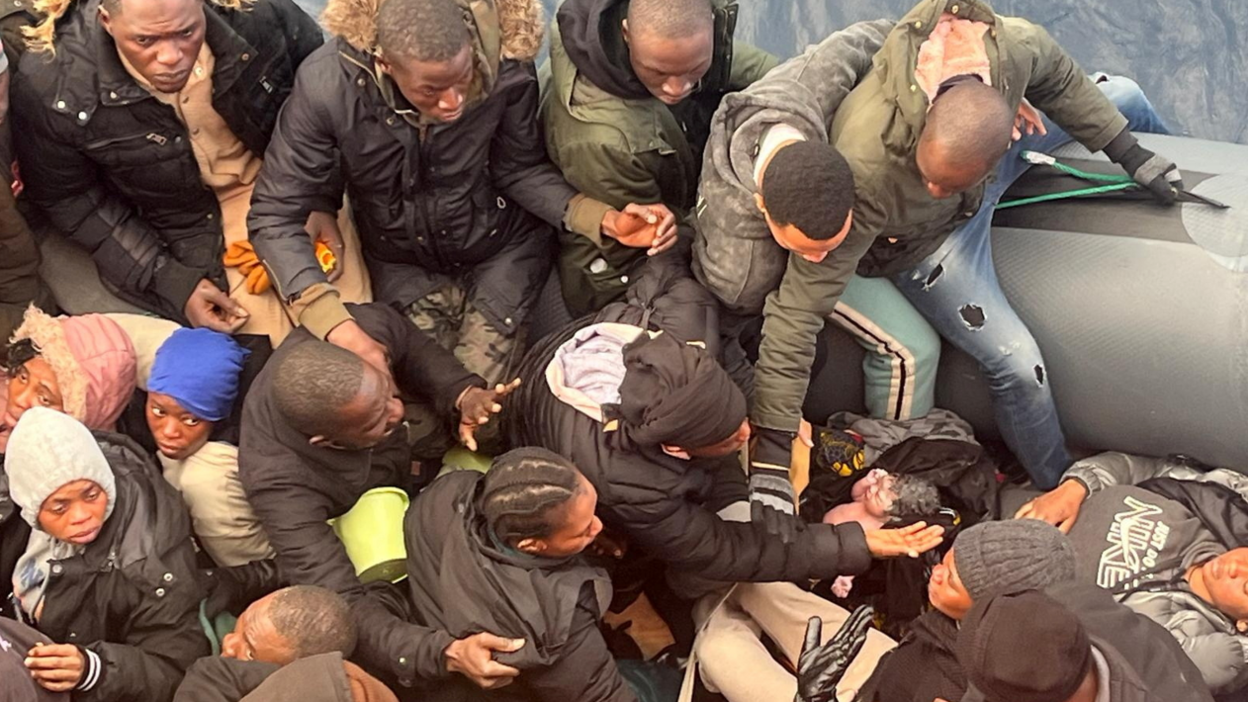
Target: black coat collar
[(91, 72)]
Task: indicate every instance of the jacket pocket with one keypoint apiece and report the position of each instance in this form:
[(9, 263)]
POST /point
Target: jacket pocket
[(131, 151)]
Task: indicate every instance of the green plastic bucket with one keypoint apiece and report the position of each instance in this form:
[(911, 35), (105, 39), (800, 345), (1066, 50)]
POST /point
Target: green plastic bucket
[(460, 458), (372, 533)]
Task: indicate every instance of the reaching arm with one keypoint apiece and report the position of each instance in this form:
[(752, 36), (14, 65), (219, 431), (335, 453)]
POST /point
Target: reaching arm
[(388, 642), (420, 365), (793, 317), (522, 170), (695, 539), (299, 176)]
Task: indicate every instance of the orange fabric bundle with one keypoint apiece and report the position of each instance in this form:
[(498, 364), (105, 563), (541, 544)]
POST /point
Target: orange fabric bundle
[(242, 255)]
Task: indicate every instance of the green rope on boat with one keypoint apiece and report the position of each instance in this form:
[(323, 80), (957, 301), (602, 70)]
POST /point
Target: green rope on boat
[(1111, 183)]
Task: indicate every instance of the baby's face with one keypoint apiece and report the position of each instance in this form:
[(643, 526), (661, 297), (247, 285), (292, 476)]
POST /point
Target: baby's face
[(880, 497)]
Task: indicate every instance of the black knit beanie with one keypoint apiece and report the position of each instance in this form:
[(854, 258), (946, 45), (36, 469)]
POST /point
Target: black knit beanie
[(1023, 647), (1014, 555)]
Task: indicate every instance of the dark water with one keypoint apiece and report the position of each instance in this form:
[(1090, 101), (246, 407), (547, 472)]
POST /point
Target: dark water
[(1188, 54)]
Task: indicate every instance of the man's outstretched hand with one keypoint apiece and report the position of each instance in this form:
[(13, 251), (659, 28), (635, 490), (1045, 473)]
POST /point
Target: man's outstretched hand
[(909, 541), (820, 668), (651, 227), (477, 405), (1028, 121), (473, 657)]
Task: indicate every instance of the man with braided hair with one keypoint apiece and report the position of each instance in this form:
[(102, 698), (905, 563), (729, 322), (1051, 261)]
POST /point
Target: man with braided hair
[(501, 552)]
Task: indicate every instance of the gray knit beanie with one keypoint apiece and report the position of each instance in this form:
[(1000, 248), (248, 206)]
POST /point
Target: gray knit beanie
[(1006, 557), (48, 450)]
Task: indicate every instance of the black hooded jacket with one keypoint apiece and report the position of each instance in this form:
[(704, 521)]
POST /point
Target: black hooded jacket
[(132, 596), (658, 501), (113, 168), (461, 582)]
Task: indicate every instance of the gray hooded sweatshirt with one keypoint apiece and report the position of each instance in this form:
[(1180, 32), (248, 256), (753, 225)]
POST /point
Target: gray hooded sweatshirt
[(734, 255), (1139, 545)]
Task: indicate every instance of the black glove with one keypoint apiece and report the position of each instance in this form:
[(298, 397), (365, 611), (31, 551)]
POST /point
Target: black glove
[(1155, 172), (772, 500), (233, 589), (820, 668)]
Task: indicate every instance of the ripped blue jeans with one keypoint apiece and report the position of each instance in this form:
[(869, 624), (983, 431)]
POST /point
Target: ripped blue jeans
[(957, 291)]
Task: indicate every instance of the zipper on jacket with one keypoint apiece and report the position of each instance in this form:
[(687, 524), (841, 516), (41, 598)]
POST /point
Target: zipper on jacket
[(150, 136), (423, 138)]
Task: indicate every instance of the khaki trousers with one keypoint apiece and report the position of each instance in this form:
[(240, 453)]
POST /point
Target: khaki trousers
[(733, 661)]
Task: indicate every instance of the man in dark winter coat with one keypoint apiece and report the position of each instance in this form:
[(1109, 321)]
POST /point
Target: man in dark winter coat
[(627, 108), (430, 106), (321, 428), (276, 633), (655, 424), (108, 576), (136, 117), (1071, 643)]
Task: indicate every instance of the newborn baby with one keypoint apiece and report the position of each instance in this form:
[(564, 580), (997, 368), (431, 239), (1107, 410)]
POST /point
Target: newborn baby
[(880, 498)]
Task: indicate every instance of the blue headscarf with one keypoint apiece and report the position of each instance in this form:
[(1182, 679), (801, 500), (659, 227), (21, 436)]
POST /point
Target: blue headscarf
[(200, 369)]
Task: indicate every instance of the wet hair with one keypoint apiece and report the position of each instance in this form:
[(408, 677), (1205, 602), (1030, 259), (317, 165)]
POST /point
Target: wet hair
[(810, 186), (521, 490), (313, 620), (313, 383), (973, 124), (670, 19), (915, 497), (17, 354), (421, 30)]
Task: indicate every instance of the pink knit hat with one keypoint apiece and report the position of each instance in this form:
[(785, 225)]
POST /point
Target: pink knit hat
[(94, 362)]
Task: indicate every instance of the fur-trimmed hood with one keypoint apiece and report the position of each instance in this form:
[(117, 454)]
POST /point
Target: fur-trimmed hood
[(508, 29), (94, 361)]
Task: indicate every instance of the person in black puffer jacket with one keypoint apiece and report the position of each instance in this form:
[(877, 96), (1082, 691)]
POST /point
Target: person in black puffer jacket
[(501, 552), (133, 158), (655, 424), (429, 107), (108, 572)]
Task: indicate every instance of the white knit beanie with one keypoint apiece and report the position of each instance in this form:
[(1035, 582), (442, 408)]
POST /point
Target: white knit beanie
[(48, 450)]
